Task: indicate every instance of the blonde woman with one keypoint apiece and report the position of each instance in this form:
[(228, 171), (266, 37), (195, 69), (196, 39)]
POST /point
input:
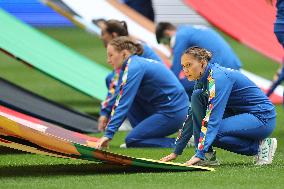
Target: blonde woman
[(148, 94)]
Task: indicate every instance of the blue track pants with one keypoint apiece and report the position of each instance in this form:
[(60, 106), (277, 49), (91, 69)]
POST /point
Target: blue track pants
[(151, 128), (239, 133)]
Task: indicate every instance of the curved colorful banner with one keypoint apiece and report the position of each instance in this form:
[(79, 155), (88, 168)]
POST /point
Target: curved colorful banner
[(18, 130)]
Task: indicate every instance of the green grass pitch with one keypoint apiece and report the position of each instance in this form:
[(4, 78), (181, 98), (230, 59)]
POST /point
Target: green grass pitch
[(23, 170)]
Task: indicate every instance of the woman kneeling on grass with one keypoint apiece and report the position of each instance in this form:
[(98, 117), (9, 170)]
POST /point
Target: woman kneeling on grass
[(228, 111), (148, 94)]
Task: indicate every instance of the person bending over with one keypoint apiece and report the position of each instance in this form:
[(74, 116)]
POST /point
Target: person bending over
[(148, 94), (185, 36), (110, 30), (228, 111)]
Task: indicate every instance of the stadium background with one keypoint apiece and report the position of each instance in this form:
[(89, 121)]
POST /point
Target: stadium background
[(33, 171)]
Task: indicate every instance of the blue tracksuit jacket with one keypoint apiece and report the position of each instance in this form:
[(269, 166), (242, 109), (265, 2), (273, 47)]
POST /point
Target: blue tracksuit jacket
[(149, 81), (112, 81)]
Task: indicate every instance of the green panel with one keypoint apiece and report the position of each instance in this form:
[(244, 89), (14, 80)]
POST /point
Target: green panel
[(88, 153), (51, 57), (85, 152)]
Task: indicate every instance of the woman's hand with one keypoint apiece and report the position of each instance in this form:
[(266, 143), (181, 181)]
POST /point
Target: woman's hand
[(170, 157), (103, 143), (193, 161), (102, 123)]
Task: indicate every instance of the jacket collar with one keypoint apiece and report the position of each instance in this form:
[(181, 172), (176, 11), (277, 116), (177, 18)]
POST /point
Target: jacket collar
[(127, 61), (203, 78)]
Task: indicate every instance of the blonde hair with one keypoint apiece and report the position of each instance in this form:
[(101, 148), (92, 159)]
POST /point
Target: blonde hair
[(199, 53), (127, 43)]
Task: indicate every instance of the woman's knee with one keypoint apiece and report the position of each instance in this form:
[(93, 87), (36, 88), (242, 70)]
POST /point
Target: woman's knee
[(130, 139)]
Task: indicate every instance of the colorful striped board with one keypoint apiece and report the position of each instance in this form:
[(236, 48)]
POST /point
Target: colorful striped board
[(48, 127), (36, 134), (8, 142), (47, 55)]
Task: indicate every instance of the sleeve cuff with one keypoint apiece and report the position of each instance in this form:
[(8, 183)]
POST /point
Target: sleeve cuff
[(104, 113), (109, 134), (177, 151), (200, 154)]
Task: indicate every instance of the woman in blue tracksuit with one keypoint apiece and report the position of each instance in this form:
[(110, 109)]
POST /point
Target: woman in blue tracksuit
[(279, 32), (186, 36), (227, 111), (147, 91), (110, 30)]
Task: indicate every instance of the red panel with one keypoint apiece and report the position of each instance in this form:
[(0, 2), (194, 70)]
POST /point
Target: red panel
[(248, 21), (51, 128), (275, 99), (20, 115)]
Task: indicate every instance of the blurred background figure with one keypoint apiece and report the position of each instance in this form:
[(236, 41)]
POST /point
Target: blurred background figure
[(144, 7), (279, 32), (185, 36)]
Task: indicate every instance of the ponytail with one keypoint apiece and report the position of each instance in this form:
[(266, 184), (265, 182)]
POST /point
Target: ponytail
[(115, 26), (127, 43)]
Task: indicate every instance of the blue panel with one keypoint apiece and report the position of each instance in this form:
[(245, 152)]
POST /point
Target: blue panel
[(34, 12)]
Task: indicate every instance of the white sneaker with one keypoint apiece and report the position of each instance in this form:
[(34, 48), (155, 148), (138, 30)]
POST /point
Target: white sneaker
[(123, 146), (266, 151), (125, 126)]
